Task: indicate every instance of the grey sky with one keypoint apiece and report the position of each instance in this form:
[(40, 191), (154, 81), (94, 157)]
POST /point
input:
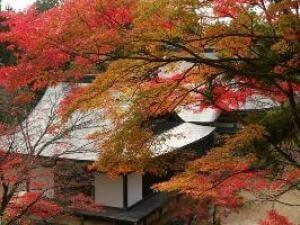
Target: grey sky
[(17, 4)]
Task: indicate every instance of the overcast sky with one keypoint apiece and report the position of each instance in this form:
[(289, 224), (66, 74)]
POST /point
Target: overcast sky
[(17, 4)]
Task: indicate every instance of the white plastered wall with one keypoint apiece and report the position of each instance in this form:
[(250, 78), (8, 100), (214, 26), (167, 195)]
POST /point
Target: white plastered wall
[(135, 188), (109, 192)]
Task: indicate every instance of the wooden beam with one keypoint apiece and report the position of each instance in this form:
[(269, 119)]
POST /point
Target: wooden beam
[(125, 191)]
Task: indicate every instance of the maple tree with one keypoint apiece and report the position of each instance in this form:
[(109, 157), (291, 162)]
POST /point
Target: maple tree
[(34, 185), (136, 48), (256, 52), (21, 207), (49, 48)]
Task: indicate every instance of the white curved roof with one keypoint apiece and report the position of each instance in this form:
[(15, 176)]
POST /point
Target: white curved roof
[(43, 134), (176, 68), (167, 72), (179, 137), (207, 115)]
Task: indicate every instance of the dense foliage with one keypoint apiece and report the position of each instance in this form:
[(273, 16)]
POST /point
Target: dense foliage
[(135, 48)]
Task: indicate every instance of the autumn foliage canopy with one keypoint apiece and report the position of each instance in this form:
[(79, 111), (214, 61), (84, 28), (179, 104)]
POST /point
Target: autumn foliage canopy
[(231, 50)]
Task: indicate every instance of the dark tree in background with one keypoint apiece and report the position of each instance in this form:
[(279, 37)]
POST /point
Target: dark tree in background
[(9, 59), (44, 5), (6, 59)]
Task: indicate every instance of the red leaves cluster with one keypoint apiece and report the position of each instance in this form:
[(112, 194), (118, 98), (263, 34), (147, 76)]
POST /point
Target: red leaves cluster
[(30, 198), (224, 97), (117, 17), (233, 94), (34, 204), (62, 43), (11, 167), (230, 8), (14, 170), (220, 176), (274, 218), (85, 203)]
